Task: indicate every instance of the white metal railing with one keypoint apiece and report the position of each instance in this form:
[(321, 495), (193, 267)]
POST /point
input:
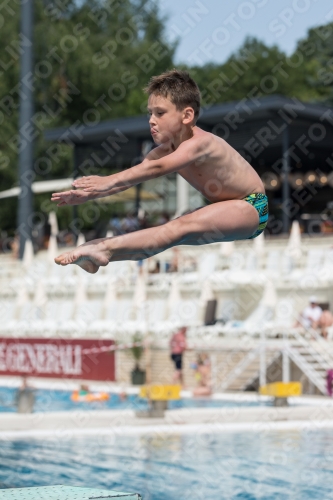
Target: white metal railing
[(307, 369), (240, 367), (314, 359)]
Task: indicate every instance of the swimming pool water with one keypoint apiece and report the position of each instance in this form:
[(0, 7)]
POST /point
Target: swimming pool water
[(296, 465), (57, 400)]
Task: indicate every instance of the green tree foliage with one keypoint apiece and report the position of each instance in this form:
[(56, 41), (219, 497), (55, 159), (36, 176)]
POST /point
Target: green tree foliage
[(317, 52), (256, 69), (96, 55)]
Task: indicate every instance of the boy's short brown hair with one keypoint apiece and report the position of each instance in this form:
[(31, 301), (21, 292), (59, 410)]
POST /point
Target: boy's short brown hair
[(179, 87)]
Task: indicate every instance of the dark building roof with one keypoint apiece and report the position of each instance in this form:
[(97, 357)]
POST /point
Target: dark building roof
[(247, 111)]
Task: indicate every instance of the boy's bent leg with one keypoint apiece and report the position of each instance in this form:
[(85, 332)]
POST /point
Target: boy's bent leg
[(222, 221)]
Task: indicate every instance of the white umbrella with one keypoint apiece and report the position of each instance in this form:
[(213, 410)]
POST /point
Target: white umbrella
[(52, 250), (28, 254), (174, 296), (294, 247), (53, 223), (80, 240), (265, 309), (80, 292)]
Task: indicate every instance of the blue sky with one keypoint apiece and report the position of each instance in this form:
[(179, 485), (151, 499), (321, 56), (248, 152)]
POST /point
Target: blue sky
[(210, 30)]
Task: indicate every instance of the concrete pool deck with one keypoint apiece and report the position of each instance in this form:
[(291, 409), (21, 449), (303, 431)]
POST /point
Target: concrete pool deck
[(61, 423)]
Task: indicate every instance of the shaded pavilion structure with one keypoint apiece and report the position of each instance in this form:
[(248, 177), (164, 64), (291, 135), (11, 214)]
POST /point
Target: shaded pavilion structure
[(287, 141)]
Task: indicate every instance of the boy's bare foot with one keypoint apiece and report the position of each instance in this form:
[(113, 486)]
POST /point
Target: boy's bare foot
[(89, 256)]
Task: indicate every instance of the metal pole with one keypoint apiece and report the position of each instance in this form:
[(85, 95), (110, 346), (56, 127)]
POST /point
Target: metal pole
[(26, 145), (183, 201), (285, 180), (285, 365), (137, 199), (76, 173), (285, 360)]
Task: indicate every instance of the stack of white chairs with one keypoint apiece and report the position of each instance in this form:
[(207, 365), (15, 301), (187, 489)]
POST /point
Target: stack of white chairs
[(313, 265), (7, 315), (98, 314), (272, 269)]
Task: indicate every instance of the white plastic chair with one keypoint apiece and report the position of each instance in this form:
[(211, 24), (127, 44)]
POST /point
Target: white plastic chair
[(326, 271), (328, 259), (51, 310), (284, 313), (314, 260), (119, 310), (30, 312), (206, 265), (227, 310), (237, 261), (251, 263), (111, 310), (273, 261), (88, 311), (156, 310), (102, 327), (185, 312), (7, 311), (65, 310), (287, 265)]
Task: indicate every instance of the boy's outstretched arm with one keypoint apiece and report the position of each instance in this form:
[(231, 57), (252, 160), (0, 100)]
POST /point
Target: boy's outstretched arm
[(189, 151), (72, 197)]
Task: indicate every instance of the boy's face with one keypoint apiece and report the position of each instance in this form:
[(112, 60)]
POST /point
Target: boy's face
[(166, 121)]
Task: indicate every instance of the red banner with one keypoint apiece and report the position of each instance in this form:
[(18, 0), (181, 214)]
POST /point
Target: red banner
[(74, 359)]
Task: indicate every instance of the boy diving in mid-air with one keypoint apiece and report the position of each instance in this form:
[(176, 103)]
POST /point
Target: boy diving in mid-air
[(238, 208)]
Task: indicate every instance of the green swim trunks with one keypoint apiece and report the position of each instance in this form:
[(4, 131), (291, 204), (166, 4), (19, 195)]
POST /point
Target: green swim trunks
[(260, 202)]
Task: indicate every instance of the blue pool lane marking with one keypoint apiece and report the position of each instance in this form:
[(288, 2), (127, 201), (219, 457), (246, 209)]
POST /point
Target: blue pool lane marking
[(63, 493)]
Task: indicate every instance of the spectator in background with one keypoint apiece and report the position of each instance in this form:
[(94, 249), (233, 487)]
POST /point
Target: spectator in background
[(163, 218), (155, 268), (177, 348), (203, 375), (189, 265), (115, 225), (15, 246), (130, 224), (325, 321), (84, 390), (310, 316), (174, 265), (143, 222)]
